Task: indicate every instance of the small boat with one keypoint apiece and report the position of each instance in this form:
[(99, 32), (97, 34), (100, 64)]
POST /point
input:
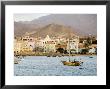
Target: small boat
[(72, 63), (90, 57), (16, 60), (80, 68)]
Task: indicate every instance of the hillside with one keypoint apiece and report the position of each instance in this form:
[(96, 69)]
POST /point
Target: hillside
[(54, 30), (55, 24)]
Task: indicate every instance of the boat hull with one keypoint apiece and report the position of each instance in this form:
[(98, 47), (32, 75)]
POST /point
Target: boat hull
[(71, 63)]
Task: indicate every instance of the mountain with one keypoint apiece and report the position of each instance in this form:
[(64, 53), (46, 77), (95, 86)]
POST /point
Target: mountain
[(80, 24), (54, 30), (21, 28)]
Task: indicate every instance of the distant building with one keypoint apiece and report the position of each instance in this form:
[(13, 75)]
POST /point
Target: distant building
[(61, 45), (72, 45), (26, 44), (39, 43), (93, 49), (49, 44), (17, 46)]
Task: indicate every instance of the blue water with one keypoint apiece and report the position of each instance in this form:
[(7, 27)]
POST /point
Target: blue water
[(52, 66)]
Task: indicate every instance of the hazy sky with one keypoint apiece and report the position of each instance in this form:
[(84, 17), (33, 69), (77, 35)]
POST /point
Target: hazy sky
[(27, 16)]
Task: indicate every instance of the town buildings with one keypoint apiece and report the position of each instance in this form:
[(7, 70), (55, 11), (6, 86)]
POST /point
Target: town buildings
[(48, 44)]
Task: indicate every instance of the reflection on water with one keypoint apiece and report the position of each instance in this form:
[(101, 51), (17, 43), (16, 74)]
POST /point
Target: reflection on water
[(52, 66)]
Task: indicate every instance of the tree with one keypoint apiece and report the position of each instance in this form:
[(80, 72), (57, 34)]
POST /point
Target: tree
[(61, 50), (94, 41), (38, 49), (84, 51), (65, 52), (87, 43)]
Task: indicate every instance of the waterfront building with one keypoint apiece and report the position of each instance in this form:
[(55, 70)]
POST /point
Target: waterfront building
[(17, 46), (93, 49), (39, 43), (49, 44), (72, 44), (28, 44), (61, 45)]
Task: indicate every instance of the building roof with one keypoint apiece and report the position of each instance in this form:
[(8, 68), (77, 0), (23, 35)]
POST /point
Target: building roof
[(47, 38)]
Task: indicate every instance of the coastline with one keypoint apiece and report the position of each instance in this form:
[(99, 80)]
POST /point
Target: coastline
[(54, 55)]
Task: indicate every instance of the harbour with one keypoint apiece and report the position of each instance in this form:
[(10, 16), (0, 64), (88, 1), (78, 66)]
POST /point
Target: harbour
[(52, 66)]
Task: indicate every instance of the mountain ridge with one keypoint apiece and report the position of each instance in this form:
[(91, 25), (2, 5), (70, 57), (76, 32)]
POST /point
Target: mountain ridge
[(80, 24)]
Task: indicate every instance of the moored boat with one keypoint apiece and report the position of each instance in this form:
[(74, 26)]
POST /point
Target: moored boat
[(16, 60), (72, 63)]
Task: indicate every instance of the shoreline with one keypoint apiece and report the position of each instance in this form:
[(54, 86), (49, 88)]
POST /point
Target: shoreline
[(57, 55)]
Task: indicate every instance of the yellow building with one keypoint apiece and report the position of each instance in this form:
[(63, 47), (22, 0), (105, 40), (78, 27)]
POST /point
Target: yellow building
[(26, 48), (26, 44), (50, 46), (17, 46)]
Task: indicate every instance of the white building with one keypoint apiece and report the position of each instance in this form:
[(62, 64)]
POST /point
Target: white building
[(39, 43), (49, 44), (92, 50), (72, 44)]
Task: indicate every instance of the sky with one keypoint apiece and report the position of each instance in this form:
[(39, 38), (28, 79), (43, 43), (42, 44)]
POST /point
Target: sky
[(27, 16)]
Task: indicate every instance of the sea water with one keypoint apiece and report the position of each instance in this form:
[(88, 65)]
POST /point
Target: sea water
[(52, 66)]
